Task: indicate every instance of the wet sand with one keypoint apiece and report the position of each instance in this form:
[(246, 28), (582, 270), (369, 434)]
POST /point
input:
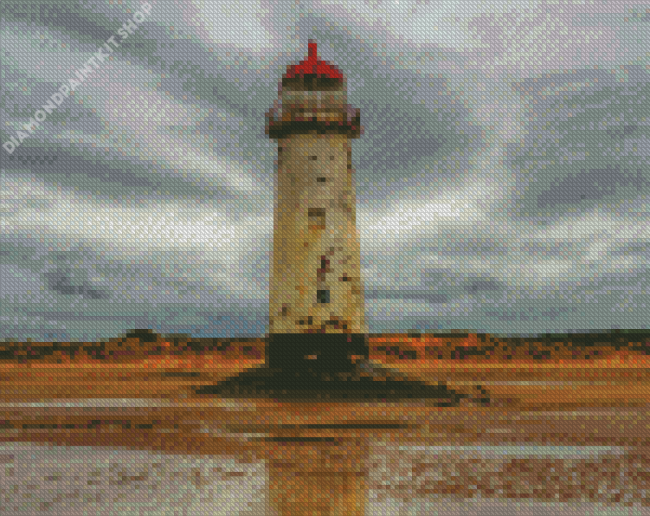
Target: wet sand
[(561, 436), (402, 480)]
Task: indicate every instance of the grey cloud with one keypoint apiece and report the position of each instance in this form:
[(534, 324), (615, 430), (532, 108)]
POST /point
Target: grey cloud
[(113, 179), (640, 248), (456, 285), (23, 107), (394, 143), (60, 15), (82, 173), (554, 312), (65, 282), (253, 113), (584, 144), (174, 301), (467, 246), (627, 130), (412, 122), (477, 286), (622, 293), (458, 240), (136, 321), (568, 250), (592, 185), (89, 27), (406, 294), (416, 111)]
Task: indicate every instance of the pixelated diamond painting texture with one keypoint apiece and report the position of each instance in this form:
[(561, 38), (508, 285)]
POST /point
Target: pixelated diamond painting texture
[(489, 206)]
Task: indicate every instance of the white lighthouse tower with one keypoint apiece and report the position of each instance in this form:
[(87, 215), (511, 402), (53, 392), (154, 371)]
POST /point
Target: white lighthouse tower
[(315, 282), (318, 345)]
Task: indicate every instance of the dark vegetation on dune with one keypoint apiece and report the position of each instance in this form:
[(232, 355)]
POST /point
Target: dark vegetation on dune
[(143, 343)]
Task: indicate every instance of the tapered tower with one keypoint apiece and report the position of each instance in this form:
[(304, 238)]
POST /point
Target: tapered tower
[(318, 348), (316, 282)]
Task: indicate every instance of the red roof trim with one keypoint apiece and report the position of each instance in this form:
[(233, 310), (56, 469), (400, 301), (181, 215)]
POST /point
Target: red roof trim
[(313, 66)]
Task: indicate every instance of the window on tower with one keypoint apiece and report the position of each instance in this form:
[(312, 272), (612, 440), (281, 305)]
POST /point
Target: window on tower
[(316, 218), (323, 296)]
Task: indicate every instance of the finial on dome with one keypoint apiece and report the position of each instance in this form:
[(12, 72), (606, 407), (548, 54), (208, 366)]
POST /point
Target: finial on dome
[(313, 66), (313, 50)]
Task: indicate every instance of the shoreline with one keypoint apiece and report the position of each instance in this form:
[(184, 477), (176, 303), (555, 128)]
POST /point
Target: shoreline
[(580, 423)]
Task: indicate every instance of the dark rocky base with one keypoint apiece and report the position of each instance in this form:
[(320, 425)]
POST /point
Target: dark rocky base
[(340, 371), (278, 384)]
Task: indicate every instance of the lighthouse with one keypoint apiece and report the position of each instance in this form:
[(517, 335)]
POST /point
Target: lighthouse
[(317, 348), (315, 282)]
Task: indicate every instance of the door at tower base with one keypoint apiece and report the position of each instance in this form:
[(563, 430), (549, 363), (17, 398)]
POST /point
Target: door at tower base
[(316, 264)]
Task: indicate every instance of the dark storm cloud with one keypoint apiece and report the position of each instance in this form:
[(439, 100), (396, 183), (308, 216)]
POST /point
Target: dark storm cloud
[(592, 185), (628, 130), (81, 173), (429, 295), (47, 283), (455, 285), (462, 245), (113, 178), (407, 295), (23, 107), (638, 248), (587, 140), (391, 139), (620, 292), (477, 286), (60, 15), (64, 282), (452, 241), (548, 248), (413, 121)]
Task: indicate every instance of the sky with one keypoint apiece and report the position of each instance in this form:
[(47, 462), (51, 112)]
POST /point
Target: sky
[(502, 178)]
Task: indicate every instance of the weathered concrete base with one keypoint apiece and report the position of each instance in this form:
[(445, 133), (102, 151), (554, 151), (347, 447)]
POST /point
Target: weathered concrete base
[(326, 368)]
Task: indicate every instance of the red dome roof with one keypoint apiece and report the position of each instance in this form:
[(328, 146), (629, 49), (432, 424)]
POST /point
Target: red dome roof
[(313, 66)]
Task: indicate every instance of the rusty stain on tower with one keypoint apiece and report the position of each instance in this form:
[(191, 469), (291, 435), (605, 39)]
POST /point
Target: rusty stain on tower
[(316, 264)]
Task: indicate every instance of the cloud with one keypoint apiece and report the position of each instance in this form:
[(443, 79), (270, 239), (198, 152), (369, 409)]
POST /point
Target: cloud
[(66, 282), (502, 180)]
